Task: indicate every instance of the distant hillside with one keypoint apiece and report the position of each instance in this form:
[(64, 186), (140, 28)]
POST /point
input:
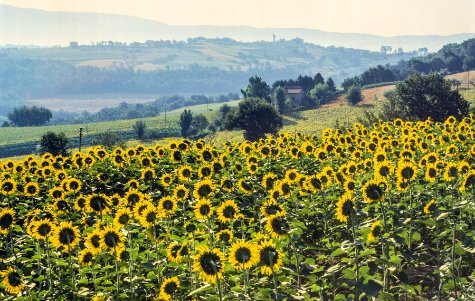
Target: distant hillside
[(33, 26)]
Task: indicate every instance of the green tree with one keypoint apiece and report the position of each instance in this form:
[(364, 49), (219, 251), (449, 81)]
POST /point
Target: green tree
[(354, 95), (257, 88), (256, 117), (422, 96), (322, 92), (55, 144), (29, 116), (318, 79), (139, 128), (109, 140), (352, 81), (331, 84), (186, 118), (199, 123), (279, 98)]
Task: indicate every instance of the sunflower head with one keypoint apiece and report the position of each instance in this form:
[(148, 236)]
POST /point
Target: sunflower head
[(430, 208), (6, 220), (277, 225), (209, 263), (225, 236), (269, 258), (243, 254), (12, 281), (203, 209), (345, 207), (375, 231), (372, 192)]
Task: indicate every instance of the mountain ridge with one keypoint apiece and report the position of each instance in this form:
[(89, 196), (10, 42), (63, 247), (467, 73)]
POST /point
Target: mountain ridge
[(41, 27)]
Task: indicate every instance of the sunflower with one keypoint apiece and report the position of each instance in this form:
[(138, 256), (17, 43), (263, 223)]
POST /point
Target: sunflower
[(112, 239), (271, 208), (451, 150), (86, 257), (169, 288), (430, 208), (469, 180), (185, 173), (372, 192), (12, 281), (269, 258), (167, 205), (31, 189), (98, 203), (243, 254), (80, 203), (140, 207), (226, 236), (349, 185), (383, 169), (203, 210), (451, 171), (285, 188), (74, 185), (148, 174), (314, 184), (268, 181), (227, 184), (43, 228), (292, 175), (463, 168), (132, 197), (149, 216), (203, 189), (122, 217), (60, 176), (245, 186), (8, 187), (277, 225), (176, 252), (66, 236), (133, 184), (324, 179), (205, 172), (209, 263), (7, 218), (93, 241), (166, 179), (406, 171), (176, 156), (57, 193), (375, 231), (227, 211), (431, 172), (344, 207), (252, 168)]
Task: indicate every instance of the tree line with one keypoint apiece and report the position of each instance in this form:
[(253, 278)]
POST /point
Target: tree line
[(451, 58)]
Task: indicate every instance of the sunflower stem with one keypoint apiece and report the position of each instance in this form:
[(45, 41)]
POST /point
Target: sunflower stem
[(130, 264), (116, 270), (217, 281), (357, 295), (94, 275), (382, 241), (297, 268), (49, 264), (453, 243), (73, 280), (156, 253), (276, 289)]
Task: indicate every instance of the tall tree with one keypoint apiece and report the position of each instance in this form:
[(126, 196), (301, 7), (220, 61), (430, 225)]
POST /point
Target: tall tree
[(318, 79), (257, 88), (279, 98), (186, 118), (55, 144), (331, 84)]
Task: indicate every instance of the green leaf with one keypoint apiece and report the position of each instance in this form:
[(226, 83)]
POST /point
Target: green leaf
[(416, 236), (151, 276), (395, 259), (371, 288), (349, 274), (337, 252), (204, 287), (468, 245)]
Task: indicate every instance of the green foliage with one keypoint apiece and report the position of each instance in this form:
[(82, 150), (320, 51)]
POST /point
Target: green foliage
[(279, 99), (139, 128), (321, 92), (55, 144), (29, 116), (199, 123), (186, 118), (349, 82), (109, 140), (257, 88), (422, 96), (331, 84), (256, 117), (318, 79), (353, 95)]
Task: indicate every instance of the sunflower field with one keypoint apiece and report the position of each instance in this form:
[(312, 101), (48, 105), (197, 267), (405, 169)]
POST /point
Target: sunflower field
[(362, 214)]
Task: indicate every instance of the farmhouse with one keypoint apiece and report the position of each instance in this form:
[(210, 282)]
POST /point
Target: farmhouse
[(296, 93)]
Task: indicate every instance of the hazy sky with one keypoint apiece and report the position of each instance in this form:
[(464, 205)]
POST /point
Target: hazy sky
[(380, 17)]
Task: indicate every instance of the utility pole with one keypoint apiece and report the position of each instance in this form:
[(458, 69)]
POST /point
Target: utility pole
[(80, 136), (165, 112)]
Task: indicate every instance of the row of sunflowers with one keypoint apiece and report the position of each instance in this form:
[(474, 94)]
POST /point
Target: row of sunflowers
[(385, 212)]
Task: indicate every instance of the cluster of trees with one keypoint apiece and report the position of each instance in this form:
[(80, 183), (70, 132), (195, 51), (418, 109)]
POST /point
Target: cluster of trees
[(419, 97), (306, 82), (450, 58), (28, 116), (193, 125)]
